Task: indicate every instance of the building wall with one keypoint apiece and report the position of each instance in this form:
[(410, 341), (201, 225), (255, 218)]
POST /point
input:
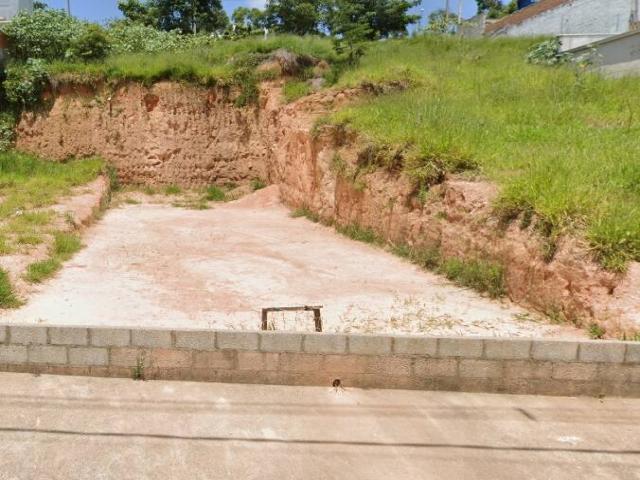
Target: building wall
[(9, 8), (617, 56), (579, 16)]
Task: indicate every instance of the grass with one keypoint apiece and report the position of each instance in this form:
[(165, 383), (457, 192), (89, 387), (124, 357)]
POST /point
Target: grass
[(306, 212), (561, 143), (258, 184), (215, 194), (359, 234), (295, 89), (65, 245), (481, 275), (221, 64), (8, 298), (172, 190)]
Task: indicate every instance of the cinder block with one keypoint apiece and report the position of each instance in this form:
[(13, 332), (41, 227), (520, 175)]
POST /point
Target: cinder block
[(300, 362), (633, 353), (3, 334), (424, 346), (370, 345), (527, 369), (110, 337), (13, 354), (612, 373), (129, 357), (342, 364), (68, 336), (169, 358), (396, 366), (238, 341), (507, 349), (280, 342), (28, 335), (554, 351), (258, 361), (575, 371), (460, 347), (202, 341), (435, 367), (602, 352), (325, 343), (89, 356), (151, 338), (215, 360), (480, 369), (47, 354)]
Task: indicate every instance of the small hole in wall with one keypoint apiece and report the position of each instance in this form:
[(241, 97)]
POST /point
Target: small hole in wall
[(337, 383)]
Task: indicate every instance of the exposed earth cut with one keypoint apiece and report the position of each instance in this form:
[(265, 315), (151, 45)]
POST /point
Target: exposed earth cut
[(176, 134)]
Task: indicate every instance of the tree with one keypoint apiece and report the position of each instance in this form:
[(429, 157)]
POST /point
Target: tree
[(188, 16), (39, 5), (441, 22), (295, 16), (249, 18), (385, 18), (495, 8), (351, 25)]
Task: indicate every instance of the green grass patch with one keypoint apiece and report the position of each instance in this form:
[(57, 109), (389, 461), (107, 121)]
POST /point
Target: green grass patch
[(38, 272), (295, 89), (305, 212), (33, 239), (359, 234), (562, 144), (172, 190), (258, 184), (480, 275), (215, 194), (8, 298), (65, 245)]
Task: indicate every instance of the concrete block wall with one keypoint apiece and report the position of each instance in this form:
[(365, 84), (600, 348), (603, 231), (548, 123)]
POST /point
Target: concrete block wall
[(523, 366)]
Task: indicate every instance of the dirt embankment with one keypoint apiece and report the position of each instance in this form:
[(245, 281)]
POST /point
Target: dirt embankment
[(172, 133)]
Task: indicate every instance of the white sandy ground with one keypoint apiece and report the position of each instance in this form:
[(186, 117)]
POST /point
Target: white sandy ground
[(154, 265)]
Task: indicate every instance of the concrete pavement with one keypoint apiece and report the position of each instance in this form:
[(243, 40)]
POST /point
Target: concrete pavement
[(87, 428)]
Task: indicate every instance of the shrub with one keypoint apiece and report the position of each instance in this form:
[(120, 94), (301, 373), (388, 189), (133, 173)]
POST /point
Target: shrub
[(547, 53), (25, 82), (92, 44), (129, 37), (7, 124), (215, 194), (46, 34)]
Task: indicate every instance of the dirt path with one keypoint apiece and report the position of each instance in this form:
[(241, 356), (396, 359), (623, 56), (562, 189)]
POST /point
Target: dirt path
[(160, 266)]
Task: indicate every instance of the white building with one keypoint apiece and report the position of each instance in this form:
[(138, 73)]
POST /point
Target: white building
[(576, 22), (10, 8)]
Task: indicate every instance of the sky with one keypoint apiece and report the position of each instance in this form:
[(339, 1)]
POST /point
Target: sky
[(102, 10)]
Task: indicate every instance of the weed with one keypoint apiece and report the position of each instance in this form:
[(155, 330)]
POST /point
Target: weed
[(138, 370), (38, 272), (258, 184), (30, 239), (360, 234), (425, 257), (294, 90), (215, 194), (112, 175), (307, 213), (65, 245), (8, 298), (172, 190), (596, 332), (149, 190), (482, 276), (131, 201)]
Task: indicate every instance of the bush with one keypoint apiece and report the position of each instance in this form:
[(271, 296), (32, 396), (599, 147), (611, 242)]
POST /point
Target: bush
[(25, 82), (7, 124), (92, 44), (129, 37), (547, 53), (46, 34)]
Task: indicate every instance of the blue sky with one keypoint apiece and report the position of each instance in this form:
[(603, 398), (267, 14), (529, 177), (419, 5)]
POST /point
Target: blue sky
[(101, 10)]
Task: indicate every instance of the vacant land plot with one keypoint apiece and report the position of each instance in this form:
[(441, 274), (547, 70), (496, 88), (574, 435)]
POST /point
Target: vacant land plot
[(156, 265)]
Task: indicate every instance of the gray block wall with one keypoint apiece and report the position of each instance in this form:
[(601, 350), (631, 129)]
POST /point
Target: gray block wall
[(547, 367)]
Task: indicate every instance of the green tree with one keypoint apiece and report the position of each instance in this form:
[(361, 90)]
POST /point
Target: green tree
[(351, 25), (495, 8), (385, 18), (188, 16), (295, 16), (441, 22), (249, 18)]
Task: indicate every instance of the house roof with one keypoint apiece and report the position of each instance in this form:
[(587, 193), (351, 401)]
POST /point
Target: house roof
[(525, 14)]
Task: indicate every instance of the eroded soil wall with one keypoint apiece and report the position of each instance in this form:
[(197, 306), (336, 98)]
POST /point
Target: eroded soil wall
[(175, 134)]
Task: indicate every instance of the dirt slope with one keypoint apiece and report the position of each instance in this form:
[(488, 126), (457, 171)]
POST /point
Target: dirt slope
[(172, 133)]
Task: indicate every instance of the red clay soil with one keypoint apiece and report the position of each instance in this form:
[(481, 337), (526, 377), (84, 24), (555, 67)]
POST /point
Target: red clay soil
[(171, 133)]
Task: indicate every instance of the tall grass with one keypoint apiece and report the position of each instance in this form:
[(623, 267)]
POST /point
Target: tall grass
[(560, 142)]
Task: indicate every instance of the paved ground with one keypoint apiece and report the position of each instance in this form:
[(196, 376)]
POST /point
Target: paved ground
[(157, 265), (84, 428)]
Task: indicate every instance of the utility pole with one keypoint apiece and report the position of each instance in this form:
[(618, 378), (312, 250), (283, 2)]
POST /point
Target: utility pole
[(446, 10), (69, 7)]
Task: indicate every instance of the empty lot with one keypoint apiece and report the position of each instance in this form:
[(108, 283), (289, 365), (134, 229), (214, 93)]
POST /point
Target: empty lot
[(156, 265)]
